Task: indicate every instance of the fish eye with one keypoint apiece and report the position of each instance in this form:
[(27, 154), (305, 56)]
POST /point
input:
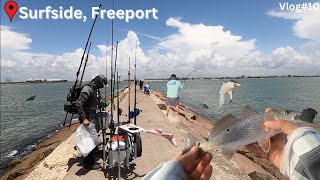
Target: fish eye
[(228, 129)]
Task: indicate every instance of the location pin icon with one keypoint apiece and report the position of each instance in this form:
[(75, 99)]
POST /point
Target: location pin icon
[(11, 8)]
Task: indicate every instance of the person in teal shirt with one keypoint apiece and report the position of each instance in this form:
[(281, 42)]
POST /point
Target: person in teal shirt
[(173, 88), (147, 89)]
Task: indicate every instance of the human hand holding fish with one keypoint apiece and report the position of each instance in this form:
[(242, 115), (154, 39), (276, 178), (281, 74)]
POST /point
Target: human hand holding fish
[(196, 163), (231, 133), (277, 142)]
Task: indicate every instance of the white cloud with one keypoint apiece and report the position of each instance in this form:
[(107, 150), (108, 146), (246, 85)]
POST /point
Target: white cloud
[(13, 41), (307, 23), (217, 51), (307, 26), (199, 40)]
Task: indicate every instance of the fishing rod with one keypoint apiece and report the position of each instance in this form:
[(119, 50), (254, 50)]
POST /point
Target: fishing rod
[(118, 118), (115, 65), (190, 74), (129, 93), (85, 49), (135, 86), (73, 89), (85, 64), (111, 73)]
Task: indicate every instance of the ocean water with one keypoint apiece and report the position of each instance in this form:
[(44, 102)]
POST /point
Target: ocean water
[(24, 123), (290, 93)]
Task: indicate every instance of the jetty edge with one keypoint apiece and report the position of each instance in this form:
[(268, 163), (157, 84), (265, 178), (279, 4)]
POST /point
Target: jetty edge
[(63, 162)]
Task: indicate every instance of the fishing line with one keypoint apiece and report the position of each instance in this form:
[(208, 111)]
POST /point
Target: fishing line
[(190, 74)]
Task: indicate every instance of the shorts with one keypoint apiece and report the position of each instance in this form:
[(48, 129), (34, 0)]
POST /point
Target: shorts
[(173, 102)]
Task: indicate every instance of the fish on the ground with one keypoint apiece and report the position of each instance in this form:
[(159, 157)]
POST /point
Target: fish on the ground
[(160, 132), (231, 133), (31, 98), (227, 87)]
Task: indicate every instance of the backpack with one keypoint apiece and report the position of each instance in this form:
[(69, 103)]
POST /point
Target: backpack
[(74, 93)]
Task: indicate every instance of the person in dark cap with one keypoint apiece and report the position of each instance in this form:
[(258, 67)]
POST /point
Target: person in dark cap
[(87, 107), (173, 88)]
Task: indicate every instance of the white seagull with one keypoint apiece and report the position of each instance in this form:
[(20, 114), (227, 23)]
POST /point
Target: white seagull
[(227, 87)]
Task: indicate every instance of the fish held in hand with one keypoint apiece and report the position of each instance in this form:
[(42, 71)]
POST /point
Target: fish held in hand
[(231, 133)]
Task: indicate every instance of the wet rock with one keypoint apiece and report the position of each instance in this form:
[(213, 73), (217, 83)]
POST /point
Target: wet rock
[(204, 106), (259, 176), (162, 106)]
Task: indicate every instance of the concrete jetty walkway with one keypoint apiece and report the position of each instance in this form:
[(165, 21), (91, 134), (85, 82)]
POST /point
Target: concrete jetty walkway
[(155, 149), (63, 163)]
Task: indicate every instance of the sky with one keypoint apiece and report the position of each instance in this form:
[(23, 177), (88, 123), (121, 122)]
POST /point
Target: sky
[(222, 38)]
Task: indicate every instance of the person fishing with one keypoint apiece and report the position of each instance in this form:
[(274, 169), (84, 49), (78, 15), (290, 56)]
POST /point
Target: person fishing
[(86, 107), (173, 88), (147, 89), (141, 84), (298, 157)]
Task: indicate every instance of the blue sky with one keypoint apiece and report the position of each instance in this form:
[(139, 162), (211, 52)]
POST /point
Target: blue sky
[(246, 18)]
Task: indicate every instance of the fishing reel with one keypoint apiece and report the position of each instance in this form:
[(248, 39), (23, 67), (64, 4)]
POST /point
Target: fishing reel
[(134, 113)]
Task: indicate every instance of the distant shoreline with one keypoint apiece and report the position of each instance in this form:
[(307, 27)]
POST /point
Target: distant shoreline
[(248, 77), (165, 79), (25, 82)]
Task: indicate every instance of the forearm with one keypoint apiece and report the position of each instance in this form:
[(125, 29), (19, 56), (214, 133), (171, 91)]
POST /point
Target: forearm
[(301, 158), (168, 170)]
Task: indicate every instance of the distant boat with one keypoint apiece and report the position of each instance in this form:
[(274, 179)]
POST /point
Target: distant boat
[(31, 98)]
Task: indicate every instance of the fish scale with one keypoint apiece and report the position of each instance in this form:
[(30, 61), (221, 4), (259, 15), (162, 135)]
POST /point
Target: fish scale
[(230, 133)]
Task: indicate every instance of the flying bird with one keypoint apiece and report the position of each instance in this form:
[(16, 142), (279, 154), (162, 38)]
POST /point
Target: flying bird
[(227, 87)]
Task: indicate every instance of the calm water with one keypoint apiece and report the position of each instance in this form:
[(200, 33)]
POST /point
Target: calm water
[(290, 93), (23, 123)]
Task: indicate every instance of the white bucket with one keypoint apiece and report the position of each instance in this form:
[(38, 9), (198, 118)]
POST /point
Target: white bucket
[(113, 152)]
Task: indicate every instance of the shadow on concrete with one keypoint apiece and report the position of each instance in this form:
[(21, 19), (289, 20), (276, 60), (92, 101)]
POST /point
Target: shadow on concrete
[(82, 172), (71, 162)]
